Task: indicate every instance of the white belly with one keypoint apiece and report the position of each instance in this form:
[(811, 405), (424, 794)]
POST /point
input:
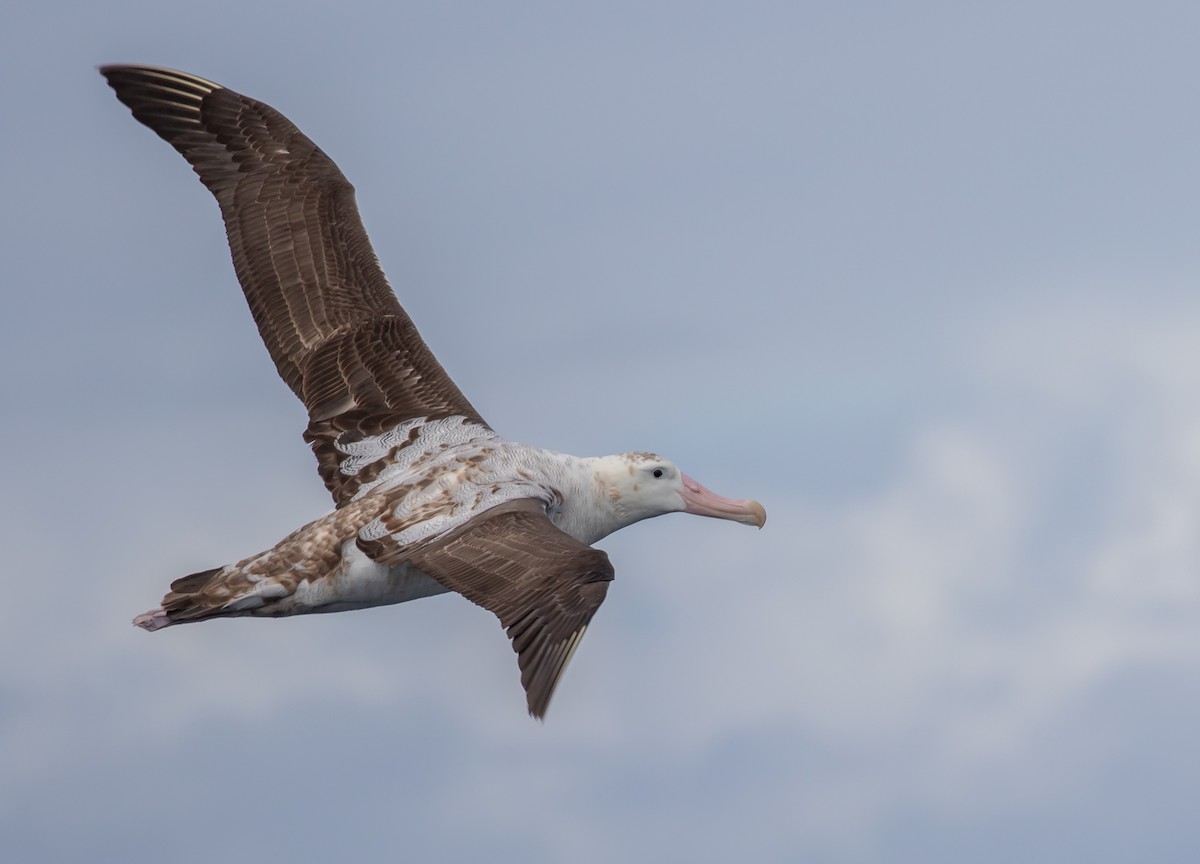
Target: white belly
[(362, 583)]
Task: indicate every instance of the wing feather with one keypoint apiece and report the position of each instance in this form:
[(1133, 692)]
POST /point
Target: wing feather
[(542, 584), (335, 330)]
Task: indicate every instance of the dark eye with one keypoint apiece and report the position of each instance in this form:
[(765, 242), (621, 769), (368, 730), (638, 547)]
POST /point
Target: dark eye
[(657, 472)]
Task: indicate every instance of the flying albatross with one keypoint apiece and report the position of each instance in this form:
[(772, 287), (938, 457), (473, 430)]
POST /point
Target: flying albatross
[(428, 499)]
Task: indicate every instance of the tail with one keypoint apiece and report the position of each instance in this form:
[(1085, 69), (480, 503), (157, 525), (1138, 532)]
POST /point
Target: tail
[(180, 605)]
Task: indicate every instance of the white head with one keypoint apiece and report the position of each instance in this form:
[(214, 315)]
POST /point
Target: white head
[(641, 485)]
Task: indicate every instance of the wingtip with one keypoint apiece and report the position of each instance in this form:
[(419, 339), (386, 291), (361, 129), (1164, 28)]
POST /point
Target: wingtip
[(537, 707), (162, 75), (110, 69)]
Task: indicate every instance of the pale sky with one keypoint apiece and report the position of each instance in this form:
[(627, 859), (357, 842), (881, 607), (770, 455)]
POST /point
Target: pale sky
[(922, 278)]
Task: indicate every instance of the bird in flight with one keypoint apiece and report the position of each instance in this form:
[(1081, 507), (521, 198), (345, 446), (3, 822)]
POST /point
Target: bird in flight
[(428, 498)]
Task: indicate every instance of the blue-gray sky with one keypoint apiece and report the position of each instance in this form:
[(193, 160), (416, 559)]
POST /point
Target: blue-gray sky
[(923, 278)]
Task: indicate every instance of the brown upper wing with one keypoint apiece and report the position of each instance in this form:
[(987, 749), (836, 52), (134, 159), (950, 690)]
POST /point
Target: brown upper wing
[(542, 584), (335, 330)]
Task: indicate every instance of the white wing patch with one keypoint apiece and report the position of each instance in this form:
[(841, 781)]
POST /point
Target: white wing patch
[(432, 437), (444, 472)]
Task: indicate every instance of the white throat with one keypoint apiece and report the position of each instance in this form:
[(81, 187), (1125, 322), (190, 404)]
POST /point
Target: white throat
[(592, 503)]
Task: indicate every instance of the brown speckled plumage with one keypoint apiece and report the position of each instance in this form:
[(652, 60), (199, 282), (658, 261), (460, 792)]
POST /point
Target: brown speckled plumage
[(311, 553), (428, 498)]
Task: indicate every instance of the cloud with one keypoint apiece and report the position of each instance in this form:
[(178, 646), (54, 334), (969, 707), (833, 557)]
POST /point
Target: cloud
[(948, 297)]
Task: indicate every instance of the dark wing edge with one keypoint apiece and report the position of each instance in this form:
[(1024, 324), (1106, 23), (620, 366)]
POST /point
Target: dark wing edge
[(541, 583), (331, 323)]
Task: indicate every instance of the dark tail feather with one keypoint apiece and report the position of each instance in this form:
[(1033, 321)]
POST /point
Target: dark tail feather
[(195, 583), (178, 602)]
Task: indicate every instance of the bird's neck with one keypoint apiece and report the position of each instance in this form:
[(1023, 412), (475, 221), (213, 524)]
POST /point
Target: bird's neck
[(590, 507)]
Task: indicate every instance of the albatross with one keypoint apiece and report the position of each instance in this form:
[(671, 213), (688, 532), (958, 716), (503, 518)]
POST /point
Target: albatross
[(428, 498)]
